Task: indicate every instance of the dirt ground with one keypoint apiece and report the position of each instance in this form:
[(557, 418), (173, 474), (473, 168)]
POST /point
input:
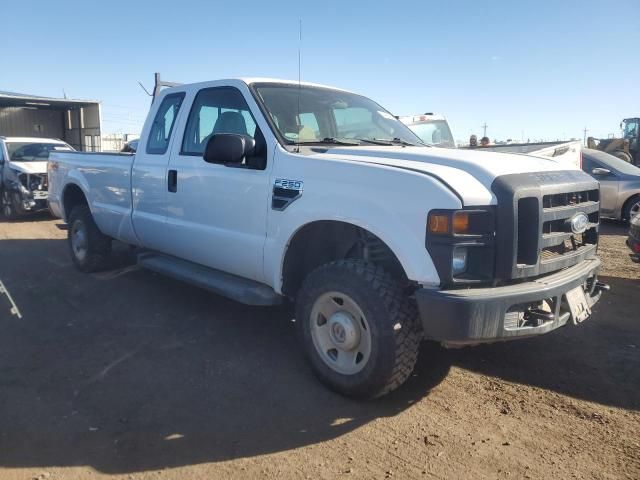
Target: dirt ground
[(132, 375)]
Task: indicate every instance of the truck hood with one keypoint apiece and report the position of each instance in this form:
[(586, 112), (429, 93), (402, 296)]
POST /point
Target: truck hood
[(469, 173), (29, 167)]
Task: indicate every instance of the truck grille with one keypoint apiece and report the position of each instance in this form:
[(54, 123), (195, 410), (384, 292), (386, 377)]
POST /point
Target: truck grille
[(534, 234), (549, 243), (35, 181), (557, 238)]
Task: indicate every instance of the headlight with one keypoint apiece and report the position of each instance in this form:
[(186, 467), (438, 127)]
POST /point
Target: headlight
[(459, 260), (462, 244)]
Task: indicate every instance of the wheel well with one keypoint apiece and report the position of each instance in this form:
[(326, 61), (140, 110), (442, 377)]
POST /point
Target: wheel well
[(71, 198), (322, 242)]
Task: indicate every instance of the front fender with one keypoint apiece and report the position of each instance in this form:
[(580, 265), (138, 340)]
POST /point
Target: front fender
[(397, 216)]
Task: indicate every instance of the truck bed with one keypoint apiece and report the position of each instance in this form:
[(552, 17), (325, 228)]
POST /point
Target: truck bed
[(109, 176), (568, 152)]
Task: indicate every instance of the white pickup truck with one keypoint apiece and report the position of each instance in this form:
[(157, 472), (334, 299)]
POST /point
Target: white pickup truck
[(434, 130), (264, 190)]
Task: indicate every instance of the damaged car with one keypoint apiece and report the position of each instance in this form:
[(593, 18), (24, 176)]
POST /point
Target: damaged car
[(23, 174)]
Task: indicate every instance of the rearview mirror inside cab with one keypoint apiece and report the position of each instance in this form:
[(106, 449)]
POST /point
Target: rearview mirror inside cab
[(228, 148)]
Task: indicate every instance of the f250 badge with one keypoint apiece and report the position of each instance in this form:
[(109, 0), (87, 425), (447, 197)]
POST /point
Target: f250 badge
[(289, 184), (285, 192)]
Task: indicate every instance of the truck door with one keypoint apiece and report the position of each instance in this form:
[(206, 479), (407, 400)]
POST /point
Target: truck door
[(217, 213), (149, 174)]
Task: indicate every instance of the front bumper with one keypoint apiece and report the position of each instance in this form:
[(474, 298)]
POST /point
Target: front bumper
[(27, 201), (481, 315)]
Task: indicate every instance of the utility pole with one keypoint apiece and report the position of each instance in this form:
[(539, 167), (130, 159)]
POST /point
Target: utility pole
[(585, 135), (484, 129)]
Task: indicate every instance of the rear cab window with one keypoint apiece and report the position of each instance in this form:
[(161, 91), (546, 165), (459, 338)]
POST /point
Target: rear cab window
[(165, 119)]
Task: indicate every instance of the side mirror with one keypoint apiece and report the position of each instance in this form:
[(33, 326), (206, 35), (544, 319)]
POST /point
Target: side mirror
[(227, 148), (600, 171)]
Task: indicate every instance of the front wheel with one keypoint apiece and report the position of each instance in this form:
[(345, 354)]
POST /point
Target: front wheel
[(360, 331), (9, 210), (631, 208), (90, 248)]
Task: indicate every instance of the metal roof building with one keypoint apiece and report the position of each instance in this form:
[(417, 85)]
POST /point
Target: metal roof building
[(77, 122)]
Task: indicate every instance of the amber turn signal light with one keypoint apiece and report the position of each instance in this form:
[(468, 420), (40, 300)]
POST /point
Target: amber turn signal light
[(461, 222), (439, 223)]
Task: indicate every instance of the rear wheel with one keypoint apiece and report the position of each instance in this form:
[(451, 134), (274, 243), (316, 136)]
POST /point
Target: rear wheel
[(359, 329), (8, 206), (90, 248), (631, 208)]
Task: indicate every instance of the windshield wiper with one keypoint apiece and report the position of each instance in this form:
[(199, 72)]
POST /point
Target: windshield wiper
[(385, 141), (331, 140), (375, 141)]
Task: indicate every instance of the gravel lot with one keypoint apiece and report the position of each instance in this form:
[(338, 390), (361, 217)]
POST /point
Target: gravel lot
[(132, 375)]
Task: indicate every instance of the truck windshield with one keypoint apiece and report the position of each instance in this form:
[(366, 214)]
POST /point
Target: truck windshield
[(434, 132), (307, 114), (33, 152)]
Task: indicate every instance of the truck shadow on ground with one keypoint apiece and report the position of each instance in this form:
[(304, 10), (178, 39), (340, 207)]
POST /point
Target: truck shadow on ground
[(128, 371), (39, 216), (613, 227)]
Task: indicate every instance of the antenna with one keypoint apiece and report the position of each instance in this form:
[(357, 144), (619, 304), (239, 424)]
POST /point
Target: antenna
[(299, 78)]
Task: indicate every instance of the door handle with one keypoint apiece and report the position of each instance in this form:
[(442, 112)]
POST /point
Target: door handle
[(172, 181)]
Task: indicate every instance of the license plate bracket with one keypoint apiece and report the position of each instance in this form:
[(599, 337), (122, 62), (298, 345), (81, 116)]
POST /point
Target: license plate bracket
[(578, 304)]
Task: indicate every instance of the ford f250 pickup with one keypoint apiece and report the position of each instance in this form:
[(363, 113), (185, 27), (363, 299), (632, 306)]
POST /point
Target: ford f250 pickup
[(263, 190)]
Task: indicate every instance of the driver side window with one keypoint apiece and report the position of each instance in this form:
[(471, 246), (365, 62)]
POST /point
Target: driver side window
[(216, 110)]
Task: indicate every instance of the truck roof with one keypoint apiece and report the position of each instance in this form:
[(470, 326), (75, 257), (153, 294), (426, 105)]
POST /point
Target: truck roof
[(252, 80)]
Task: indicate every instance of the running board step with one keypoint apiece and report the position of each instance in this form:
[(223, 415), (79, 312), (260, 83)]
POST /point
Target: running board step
[(231, 286)]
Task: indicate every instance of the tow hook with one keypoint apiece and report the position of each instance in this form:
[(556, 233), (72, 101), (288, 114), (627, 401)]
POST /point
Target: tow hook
[(535, 317), (597, 287)]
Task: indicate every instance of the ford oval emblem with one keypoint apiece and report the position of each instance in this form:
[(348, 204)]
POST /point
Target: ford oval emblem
[(579, 223)]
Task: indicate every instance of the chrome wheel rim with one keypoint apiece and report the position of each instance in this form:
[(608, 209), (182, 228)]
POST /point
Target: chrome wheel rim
[(340, 333), (635, 210), (79, 241)]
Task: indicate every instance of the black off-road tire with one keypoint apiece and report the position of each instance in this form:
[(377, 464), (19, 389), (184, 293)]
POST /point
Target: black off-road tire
[(9, 211), (98, 245), (392, 317)]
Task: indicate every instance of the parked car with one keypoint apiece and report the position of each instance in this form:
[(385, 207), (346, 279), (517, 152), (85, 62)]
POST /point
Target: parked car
[(619, 183), (432, 129), (258, 190), (633, 241), (23, 173)]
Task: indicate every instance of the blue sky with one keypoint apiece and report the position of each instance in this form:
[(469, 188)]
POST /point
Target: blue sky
[(542, 69)]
